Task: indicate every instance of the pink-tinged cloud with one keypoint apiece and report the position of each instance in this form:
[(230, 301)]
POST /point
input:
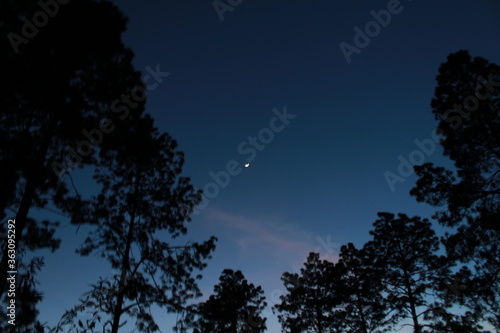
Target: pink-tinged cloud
[(274, 236)]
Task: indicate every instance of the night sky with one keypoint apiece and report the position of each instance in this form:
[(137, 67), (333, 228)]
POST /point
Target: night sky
[(270, 85)]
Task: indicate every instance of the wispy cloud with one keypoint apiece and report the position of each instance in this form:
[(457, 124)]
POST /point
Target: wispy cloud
[(269, 247), (273, 236)]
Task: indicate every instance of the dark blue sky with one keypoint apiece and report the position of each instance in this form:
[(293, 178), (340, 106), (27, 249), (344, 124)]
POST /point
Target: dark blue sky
[(321, 178)]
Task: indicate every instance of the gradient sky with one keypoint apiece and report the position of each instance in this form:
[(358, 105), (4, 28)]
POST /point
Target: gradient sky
[(319, 182)]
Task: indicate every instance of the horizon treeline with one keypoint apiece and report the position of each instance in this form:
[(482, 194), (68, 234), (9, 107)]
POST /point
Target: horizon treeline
[(72, 99), (396, 279), (406, 275)]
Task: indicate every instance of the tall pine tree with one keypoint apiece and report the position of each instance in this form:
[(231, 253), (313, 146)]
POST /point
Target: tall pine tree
[(56, 83), (235, 307), (405, 249), (143, 199), (467, 107), (310, 302), (364, 307)]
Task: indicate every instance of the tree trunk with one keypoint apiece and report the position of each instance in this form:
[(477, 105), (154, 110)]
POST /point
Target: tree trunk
[(126, 263), (364, 328), (319, 317), (411, 301)]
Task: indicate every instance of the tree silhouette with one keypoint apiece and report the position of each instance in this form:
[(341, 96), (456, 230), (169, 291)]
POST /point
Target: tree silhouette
[(405, 249), (235, 307), (55, 84), (143, 198), (451, 292), (364, 307), (27, 295), (310, 302), (467, 106)]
